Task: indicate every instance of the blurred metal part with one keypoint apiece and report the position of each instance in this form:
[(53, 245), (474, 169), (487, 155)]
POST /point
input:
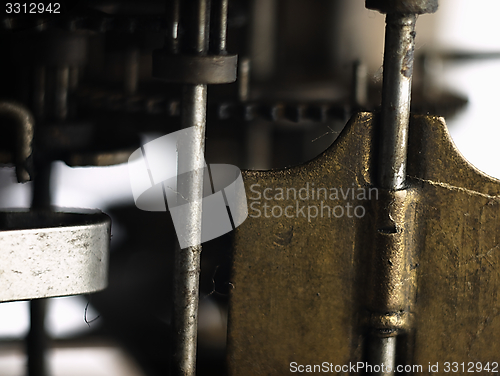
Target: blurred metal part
[(56, 254), (212, 69), (262, 39), (56, 48), (218, 43), (61, 93), (88, 144), (360, 85), (403, 6), (37, 339), (244, 79), (25, 128), (98, 159), (131, 77)]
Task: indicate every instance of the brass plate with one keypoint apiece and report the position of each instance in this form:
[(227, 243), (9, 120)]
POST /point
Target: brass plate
[(300, 284)]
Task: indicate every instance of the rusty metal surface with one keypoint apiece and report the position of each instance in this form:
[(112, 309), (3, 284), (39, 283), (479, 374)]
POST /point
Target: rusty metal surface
[(302, 290)]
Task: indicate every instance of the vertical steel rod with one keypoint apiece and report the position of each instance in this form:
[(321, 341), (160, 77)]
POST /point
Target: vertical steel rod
[(61, 94), (187, 261), (37, 339), (396, 97), (195, 17), (383, 354), (219, 22), (131, 78), (244, 79), (173, 20), (395, 117), (39, 91)]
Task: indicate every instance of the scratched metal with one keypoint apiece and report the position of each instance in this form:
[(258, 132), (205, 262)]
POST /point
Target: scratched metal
[(458, 302), (300, 287)]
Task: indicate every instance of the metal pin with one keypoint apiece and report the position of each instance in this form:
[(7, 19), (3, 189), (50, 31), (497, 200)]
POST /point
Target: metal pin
[(396, 96), (39, 91), (383, 354), (74, 76), (395, 117), (191, 158), (61, 93), (360, 85), (219, 23), (173, 19), (37, 339), (244, 79), (131, 71)]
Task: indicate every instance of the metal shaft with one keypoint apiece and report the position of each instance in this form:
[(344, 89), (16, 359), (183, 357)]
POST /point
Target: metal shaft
[(395, 117), (360, 85), (396, 95), (61, 94), (195, 17), (383, 354), (131, 78), (187, 261), (37, 339), (219, 22)]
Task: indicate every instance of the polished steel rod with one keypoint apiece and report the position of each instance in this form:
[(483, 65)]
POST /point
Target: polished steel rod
[(195, 15)]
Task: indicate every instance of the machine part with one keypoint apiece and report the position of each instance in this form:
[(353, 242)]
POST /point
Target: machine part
[(244, 79), (360, 85), (403, 6), (37, 339), (396, 99), (57, 254), (305, 264), (393, 276), (194, 18), (271, 111), (98, 159), (39, 91), (131, 77), (263, 40), (213, 69), (88, 144), (25, 124), (61, 93), (384, 352), (316, 111), (61, 48), (187, 260), (218, 22)]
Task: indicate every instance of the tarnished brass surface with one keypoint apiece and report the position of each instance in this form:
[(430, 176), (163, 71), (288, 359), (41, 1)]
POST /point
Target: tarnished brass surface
[(458, 305), (302, 285), (298, 284)]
